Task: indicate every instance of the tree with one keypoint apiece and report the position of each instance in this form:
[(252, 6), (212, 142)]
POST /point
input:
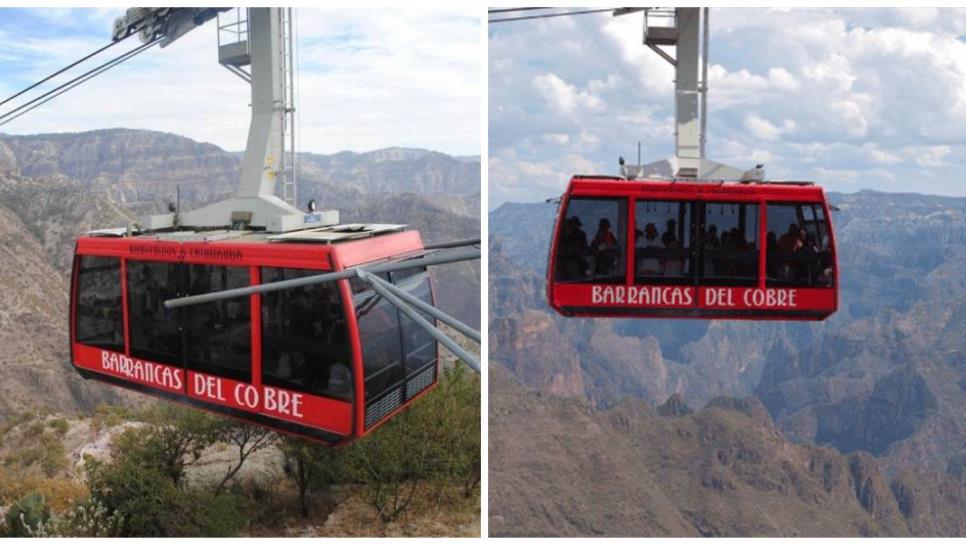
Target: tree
[(176, 437), (312, 466), (248, 439)]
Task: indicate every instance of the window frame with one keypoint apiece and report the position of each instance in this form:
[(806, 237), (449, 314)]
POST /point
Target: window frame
[(346, 336), (421, 276), (701, 224), (822, 229), (685, 219), (207, 367), (121, 308), (624, 204)]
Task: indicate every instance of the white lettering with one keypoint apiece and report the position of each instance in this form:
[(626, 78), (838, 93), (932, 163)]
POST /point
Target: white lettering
[(143, 371), (770, 298), (208, 386), (655, 295), (283, 402), (270, 403), (246, 395)]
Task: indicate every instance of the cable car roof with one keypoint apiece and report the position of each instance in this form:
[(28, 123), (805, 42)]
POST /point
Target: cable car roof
[(613, 185), (324, 235)]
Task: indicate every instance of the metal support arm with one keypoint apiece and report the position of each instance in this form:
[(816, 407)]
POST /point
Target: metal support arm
[(468, 254), (428, 309), (380, 287)]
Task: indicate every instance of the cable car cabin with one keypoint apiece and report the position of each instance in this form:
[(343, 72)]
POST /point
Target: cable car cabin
[(328, 361), (723, 250)]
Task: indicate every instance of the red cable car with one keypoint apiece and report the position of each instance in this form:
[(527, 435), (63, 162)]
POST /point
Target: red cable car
[(724, 250), (328, 361)]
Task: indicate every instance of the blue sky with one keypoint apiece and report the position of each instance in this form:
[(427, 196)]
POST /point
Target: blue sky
[(369, 78), (853, 99)]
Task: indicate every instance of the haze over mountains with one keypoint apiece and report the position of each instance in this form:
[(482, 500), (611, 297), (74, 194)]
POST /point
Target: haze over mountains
[(885, 375), (54, 187)]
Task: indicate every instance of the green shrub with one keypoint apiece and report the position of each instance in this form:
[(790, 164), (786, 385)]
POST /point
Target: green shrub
[(142, 496), (88, 518), (59, 425), (26, 516), (437, 439), (202, 514)]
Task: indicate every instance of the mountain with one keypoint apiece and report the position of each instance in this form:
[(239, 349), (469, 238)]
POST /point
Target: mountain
[(34, 359), (54, 187), (885, 375), (559, 467)]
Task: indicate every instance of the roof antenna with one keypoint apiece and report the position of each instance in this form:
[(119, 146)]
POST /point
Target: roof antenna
[(177, 206)]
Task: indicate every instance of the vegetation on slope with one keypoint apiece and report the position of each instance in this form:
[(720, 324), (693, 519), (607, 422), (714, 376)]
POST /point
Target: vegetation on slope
[(417, 475)]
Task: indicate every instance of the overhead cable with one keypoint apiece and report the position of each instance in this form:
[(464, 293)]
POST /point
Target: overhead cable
[(64, 69), (83, 78), (548, 15), (508, 10)]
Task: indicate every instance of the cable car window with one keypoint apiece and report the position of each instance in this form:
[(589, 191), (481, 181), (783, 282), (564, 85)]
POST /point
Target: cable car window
[(155, 330), (304, 345), (599, 256), (419, 347), (808, 213), (219, 333), (400, 276), (359, 285), (729, 244), (381, 344), (664, 239), (801, 255), (99, 313)]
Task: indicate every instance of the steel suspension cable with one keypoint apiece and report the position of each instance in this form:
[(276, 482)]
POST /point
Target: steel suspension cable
[(64, 69), (83, 78), (509, 10), (548, 15)]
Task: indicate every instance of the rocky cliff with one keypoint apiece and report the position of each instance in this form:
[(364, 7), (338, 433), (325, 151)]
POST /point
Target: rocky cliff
[(884, 375), (559, 467)]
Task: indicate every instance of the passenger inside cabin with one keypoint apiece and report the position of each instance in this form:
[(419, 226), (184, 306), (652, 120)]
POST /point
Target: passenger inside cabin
[(647, 245), (573, 249), (673, 262), (790, 240), (669, 235), (605, 249), (711, 240)]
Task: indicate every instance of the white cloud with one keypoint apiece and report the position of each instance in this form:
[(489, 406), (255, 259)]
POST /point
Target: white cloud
[(882, 157), (369, 78), (765, 129), (931, 156), (856, 97), (556, 137), (565, 98)]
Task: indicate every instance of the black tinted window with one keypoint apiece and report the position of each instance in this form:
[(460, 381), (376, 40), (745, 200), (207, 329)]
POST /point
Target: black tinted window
[(798, 249), (729, 240), (381, 345), (304, 345), (358, 285), (99, 314), (592, 242), (419, 347), (219, 333), (155, 330), (664, 241)]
